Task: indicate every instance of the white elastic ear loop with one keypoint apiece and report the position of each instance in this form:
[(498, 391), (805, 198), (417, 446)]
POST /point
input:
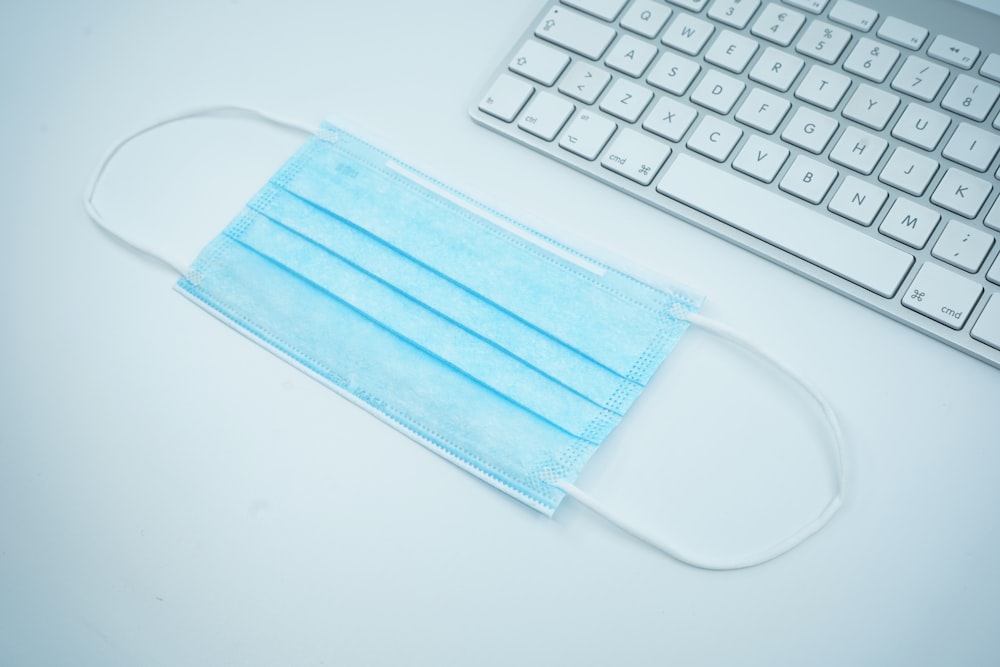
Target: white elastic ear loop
[(222, 111), (783, 546)]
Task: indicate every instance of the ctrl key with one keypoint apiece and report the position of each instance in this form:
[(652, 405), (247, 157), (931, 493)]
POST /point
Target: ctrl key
[(506, 97), (987, 329), (942, 295)]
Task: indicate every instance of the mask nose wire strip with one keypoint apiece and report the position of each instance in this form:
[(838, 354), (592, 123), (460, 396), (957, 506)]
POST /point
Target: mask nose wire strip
[(783, 546), (208, 111)]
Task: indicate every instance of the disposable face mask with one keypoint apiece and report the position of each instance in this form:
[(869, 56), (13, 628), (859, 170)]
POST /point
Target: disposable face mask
[(507, 353)]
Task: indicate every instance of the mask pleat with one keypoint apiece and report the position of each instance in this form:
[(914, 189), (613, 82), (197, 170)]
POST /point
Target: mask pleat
[(423, 328), (495, 264), (520, 339), (352, 351)]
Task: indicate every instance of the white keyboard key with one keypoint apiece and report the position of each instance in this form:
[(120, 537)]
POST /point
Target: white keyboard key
[(991, 67), (963, 246), (631, 56), (810, 130), (646, 18), (987, 329), (626, 100), (871, 107), (587, 134), (823, 87), (506, 97), (859, 150), (853, 15), (673, 73), (823, 41), (731, 51), (539, 62), (808, 179), (942, 295), (693, 5), (970, 97), (763, 111), (953, 52), (858, 200), (688, 34), (734, 13), (602, 9), (576, 32), (921, 127), (920, 78), (902, 33), (798, 229), (972, 147), (776, 69), (636, 156), (778, 24), (909, 223), (909, 171), (545, 115), (584, 82), (814, 6), (961, 193), (717, 91), (872, 60), (714, 138), (761, 158), (993, 217), (993, 275), (670, 119)]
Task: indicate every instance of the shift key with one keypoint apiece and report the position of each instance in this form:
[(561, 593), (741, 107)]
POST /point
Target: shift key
[(575, 32)]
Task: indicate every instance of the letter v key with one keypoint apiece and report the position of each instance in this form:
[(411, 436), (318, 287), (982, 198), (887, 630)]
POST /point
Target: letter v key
[(760, 158)]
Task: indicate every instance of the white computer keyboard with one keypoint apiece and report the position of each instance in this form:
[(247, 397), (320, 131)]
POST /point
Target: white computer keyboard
[(856, 144)]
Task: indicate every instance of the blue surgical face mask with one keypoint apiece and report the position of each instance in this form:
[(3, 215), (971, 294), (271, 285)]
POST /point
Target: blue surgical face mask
[(507, 353), (499, 350)]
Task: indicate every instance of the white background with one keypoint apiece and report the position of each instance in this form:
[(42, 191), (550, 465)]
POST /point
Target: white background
[(172, 494)]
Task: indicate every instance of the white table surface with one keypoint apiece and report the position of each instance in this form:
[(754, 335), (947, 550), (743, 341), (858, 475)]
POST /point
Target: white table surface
[(172, 494)]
